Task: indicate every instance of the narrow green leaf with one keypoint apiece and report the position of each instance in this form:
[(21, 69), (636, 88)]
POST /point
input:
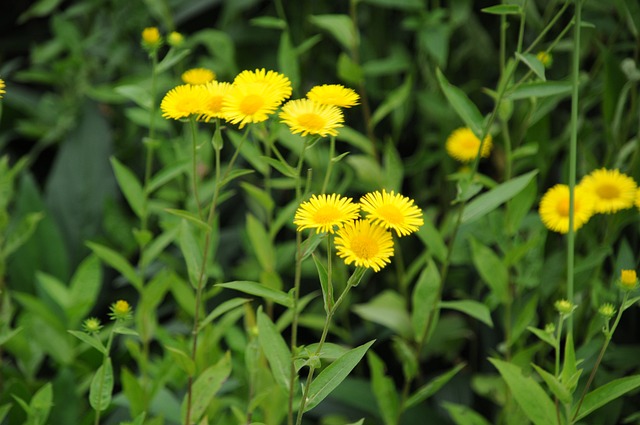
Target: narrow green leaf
[(57, 290), (282, 167), (340, 27), (491, 268), (606, 393), (433, 386), (261, 196), (102, 387), (529, 395), (539, 89), (130, 186), (7, 334), (191, 252), (118, 262), (393, 168), (182, 359), (190, 217), (503, 9), (311, 243), (261, 243), (269, 22), (134, 392), (171, 58), (432, 238), (157, 245), (91, 340), (84, 289), (570, 373), (234, 174), (533, 63), (19, 235), (327, 295), (288, 60), (206, 387), (388, 309), (554, 384), (393, 101), (167, 174), (334, 374), (258, 289), (465, 109), (222, 309), (472, 308), (275, 350), (544, 336), (41, 403), (136, 93), (384, 389), (463, 415), (424, 298), (349, 70), (4, 410), (497, 196)]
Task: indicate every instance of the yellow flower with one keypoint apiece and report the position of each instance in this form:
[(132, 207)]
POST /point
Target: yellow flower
[(463, 145), (628, 279), (151, 37), (196, 76), (613, 190), (564, 306), (279, 86), (2, 86), (120, 310), (325, 213), (393, 211), (175, 39), (554, 208), (364, 243), (637, 202), (215, 93), (334, 94), (308, 117), (545, 58), (183, 101)]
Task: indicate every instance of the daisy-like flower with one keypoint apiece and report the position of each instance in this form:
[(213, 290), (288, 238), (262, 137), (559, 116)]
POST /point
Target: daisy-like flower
[(463, 145), (607, 311), (120, 310), (554, 208), (628, 279), (364, 243), (249, 103), (613, 190), (545, 58), (215, 93), (334, 94), (308, 117), (325, 213), (196, 76), (392, 210), (279, 85), (183, 101), (2, 86), (151, 37), (175, 39), (92, 325), (564, 306)]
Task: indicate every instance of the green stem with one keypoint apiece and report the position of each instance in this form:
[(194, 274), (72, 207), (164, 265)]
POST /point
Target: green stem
[(194, 163), (332, 150)]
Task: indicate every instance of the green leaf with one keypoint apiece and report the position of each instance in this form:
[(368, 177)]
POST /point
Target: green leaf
[(288, 60), (463, 415), (570, 373), (171, 58), (311, 243), (269, 22), (529, 395), (539, 89), (424, 298), (323, 276), (190, 217), (497, 196), (533, 63), (40, 404), (384, 389), (133, 391), (465, 109), (182, 360), (258, 289), (544, 336), (433, 386), (84, 289), (398, 4), (136, 93), (6, 335), (340, 27), (261, 243), (206, 387), (275, 350), (503, 9), (91, 340), (19, 235), (393, 101), (334, 374), (190, 252), (157, 245), (102, 387), (606, 393), (130, 186), (388, 309), (472, 308), (432, 238), (393, 168), (118, 262), (491, 268), (349, 71), (167, 174), (4, 410), (554, 384)]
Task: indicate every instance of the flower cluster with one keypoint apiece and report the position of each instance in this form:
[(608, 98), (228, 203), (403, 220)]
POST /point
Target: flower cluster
[(602, 191), (366, 242), (152, 40), (463, 145)]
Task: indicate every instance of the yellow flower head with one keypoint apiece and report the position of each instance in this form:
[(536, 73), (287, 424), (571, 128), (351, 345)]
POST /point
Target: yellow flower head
[(334, 94), (391, 210), (463, 145), (120, 310), (277, 84), (92, 325), (607, 310), (183, 101), (308, 117), (364, 243), (637, 202), (545, 58), (2, 86), (628, 279), (325, 213), (196, 76), (151, 37), (554, 208), (215, 93), (175, 39), (613, 190), (564, 306)]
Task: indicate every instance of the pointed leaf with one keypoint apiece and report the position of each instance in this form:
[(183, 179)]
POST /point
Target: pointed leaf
[(340, 27), (540, 89), (463, 415), (432, 387), (130, 186), (258, 289), (222, 309), (606, 393), (384, 389), (503, 9), (491, 268), (472, 308), (191, 252), (275, 350), (183, 361), (533, 63), (327, 294), (41, 404), (91, 340), (554, 384), (261, 243), (102, 386), (206, 387), (118, 262), (424, 298), (459, 101), (388, 309), (393, 101)]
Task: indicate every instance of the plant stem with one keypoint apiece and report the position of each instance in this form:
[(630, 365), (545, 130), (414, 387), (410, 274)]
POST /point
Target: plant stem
[(332, 150), (194, 163)]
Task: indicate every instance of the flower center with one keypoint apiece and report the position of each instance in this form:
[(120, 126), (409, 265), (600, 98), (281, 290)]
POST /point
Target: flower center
[(563, 207), (471, 144), (391, 214), (364, 247), (608, 191), (326, 215), (311, 121), (215, 104), (251, 104)]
